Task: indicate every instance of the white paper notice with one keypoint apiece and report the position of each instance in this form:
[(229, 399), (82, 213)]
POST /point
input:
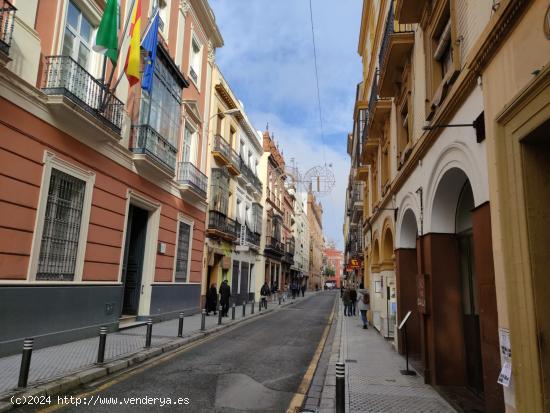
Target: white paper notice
[(505, 347), (505, 376)]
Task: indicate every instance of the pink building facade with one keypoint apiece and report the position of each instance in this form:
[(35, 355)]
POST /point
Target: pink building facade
[(334, 259), (102, 192)]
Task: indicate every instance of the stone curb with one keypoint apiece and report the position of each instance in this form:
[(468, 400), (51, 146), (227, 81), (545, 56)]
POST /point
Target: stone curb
[(74, 380)]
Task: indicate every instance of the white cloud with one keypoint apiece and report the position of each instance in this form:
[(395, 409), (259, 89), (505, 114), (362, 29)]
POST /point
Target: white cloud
[(268, 61)]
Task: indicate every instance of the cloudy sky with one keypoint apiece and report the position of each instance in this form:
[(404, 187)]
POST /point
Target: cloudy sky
[(268, 61)]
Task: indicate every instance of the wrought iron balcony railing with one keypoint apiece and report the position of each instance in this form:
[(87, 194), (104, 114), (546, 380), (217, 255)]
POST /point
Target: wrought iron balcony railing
[(357, 194), (64, 76), (218, 221), (248, 237), (7, 18), (250, 175), (392, 26), (273, 244), (221, 146), (189, 174), (147, 141)]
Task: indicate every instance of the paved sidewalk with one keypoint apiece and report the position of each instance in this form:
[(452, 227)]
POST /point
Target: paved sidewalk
[(373, 379), (58, 361)]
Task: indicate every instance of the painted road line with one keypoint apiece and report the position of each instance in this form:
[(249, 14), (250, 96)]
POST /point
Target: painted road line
[(298, 399)]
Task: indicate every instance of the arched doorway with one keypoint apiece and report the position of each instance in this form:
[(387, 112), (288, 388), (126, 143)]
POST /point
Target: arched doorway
[(470, 304), (460, 337), (388, 282), (406, 272)]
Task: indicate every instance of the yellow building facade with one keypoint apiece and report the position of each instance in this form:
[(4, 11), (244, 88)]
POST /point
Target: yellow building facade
[(450, 141)]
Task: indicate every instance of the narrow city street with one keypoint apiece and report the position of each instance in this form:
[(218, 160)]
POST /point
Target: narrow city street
[(255, 367)]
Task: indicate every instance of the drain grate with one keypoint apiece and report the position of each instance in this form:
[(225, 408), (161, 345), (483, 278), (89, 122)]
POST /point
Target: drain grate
[(350, 361)]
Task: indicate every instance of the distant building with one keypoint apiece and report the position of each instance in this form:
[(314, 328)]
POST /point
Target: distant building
[(334, 260), (316, 243)]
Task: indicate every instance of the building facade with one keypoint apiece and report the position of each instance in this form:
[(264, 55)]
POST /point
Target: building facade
[(316, 242), (300, 229), (272, 175), (105, 190), (235, 212), (429, 143), (333, 260)]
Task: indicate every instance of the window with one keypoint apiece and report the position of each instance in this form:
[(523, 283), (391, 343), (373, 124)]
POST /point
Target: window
[(161, 109), (183, 252), (257, 211), (220, 190), (62, 222), (77, 37), (195, 63), (189, 149), (60, 236), (164, 14), (443, 52)]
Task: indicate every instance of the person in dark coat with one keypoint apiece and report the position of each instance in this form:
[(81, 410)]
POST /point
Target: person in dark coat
[(353, 300), (265, 291), (211, 299), (225, 293)]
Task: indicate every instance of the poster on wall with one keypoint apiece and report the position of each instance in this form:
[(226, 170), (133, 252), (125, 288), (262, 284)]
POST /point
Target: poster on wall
[(505, 376)]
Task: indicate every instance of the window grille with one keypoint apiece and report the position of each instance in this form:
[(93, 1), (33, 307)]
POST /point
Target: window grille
[(182, 258), (59, 246)]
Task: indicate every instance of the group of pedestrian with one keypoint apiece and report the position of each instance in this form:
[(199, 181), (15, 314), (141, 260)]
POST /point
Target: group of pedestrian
[(353, 299), (211, 304), (296, 288)]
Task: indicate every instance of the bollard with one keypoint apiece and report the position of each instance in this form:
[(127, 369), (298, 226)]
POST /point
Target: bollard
[(279, 300), (25, 362), (260, 306), (180, 325), (340, 387), (252, 311), (244, 309), (149, 333), (220, 315), (233, 312), (101, 348), (203, 320)]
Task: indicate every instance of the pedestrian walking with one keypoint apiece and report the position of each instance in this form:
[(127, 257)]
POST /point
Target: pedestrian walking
[(211, 299), (264, 293), (225, 294), (364, 307), (353, 299), (347, 302), (303, 288)]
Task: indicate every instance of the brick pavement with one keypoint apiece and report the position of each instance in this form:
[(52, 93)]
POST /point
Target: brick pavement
[(58, 361), (373, 379)]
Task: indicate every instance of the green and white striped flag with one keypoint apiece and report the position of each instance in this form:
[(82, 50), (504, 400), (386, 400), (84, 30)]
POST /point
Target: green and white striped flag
[(106, 41)]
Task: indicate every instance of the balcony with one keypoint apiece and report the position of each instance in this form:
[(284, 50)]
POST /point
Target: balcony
[(66, 79), (248, 239), (220, 226), (370, 151), (152, 153), (191, 180), (7, 17), (397, 44), (225, 155), (250, 177), (379, 108), (409, 11), (274, 247)]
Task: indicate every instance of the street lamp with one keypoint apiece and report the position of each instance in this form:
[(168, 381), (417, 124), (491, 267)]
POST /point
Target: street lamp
[(227, 112)]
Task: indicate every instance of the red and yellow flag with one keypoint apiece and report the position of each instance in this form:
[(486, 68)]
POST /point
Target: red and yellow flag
[(131, 68)]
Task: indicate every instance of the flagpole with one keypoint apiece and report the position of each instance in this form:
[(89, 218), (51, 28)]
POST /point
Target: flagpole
[(117, 55), (141, 37)]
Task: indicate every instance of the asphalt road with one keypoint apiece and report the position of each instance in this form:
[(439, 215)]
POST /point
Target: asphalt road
[(256, 367)]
